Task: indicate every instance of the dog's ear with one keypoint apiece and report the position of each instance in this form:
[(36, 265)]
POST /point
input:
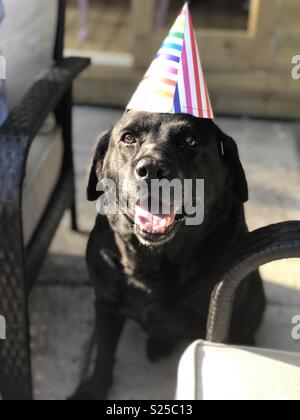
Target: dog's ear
[(232, 160), (101, 149)]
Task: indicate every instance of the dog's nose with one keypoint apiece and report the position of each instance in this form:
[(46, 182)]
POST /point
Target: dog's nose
[(148, 169)]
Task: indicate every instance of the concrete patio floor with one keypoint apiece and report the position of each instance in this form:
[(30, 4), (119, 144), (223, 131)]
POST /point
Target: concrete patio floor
[(62, 303)]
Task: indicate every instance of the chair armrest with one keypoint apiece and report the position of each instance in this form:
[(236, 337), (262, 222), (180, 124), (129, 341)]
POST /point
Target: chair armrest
[(42, 98), (18, 132), (271, 243), (24, 122)]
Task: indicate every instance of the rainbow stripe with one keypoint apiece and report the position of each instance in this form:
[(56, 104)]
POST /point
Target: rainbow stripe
[(175, 81)]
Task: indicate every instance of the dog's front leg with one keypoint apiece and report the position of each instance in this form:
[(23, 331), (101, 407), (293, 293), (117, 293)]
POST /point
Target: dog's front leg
[(109, 328)]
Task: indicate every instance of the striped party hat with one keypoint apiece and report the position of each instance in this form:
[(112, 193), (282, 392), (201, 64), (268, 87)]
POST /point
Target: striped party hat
[(174, 82)]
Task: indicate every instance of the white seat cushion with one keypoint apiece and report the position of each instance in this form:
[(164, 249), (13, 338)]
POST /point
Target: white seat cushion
[(27, 36), (43, 170), (216, 372)]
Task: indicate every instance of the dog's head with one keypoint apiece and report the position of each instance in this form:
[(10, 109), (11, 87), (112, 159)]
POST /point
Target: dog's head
[(144, 148)]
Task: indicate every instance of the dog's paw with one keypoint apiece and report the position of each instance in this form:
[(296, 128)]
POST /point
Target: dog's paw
[(90, 391), (158, 349)]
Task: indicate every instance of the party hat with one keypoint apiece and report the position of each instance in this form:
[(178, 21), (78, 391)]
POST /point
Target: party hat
[(174, 82)]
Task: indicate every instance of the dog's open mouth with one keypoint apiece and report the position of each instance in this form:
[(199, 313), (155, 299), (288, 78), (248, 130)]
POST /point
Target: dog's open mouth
[(154, 228), (151, 223)]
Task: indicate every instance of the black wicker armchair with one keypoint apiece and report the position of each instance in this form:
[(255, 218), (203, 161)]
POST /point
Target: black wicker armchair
[(20, 263), (271, 243), (211, 370)]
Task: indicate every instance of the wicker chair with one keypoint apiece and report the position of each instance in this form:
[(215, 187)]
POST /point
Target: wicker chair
[(209, 369), (20, 259)]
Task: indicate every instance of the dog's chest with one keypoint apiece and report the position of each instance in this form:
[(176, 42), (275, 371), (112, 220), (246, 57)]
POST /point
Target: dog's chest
[(164, 303), (165, 317), (164, 293)]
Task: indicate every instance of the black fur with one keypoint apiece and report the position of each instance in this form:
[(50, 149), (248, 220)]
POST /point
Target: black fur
[(167, 288)]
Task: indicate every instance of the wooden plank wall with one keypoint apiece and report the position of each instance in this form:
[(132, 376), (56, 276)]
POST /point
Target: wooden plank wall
[(248, 72)]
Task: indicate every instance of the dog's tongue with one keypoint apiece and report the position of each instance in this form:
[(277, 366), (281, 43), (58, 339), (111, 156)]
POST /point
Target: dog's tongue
[(151, 223)]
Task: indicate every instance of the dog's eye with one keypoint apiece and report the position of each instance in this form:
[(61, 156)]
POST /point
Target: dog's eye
[(129, 139), (191, 141)]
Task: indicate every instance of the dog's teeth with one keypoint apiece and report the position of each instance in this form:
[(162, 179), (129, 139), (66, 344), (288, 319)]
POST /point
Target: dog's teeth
[(151, 223)]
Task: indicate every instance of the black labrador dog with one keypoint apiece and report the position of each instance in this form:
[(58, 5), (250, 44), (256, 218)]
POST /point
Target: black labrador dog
[(157, 269)]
